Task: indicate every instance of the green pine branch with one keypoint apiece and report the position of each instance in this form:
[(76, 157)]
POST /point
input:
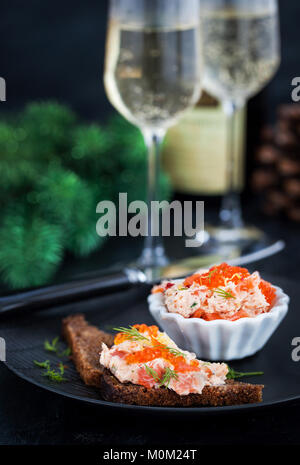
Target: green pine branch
[(53, 172), (30, 250)]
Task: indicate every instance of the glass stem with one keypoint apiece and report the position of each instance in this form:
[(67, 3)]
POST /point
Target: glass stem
[(231, 213), (153, 253)]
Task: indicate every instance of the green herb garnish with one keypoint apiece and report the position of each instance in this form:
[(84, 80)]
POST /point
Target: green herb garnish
[(175, 352), (166, 377), (232, 374), (152, 373), (132, 333), (66, 353), (172, 350), (61, 368), (45, 364), (222, 293), (49, 373), (193, 305), (54, 376), (53, 347)]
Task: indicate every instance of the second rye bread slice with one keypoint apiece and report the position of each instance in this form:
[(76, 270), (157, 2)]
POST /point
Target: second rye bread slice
[(85, 342)]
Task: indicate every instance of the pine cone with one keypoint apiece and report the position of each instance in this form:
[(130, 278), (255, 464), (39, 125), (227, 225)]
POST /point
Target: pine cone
[(277, 174)]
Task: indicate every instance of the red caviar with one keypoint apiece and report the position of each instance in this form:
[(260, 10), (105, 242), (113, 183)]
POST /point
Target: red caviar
[(158, 350), (120, 337), (218, 276), (152, 330), (144, 356), (268, 291), (221, 275)]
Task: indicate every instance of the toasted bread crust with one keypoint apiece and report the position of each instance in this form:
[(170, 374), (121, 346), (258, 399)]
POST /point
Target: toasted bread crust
[(231, 393), (85, 341)]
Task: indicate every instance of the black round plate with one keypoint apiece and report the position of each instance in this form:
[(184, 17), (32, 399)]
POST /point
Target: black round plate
[(25, 336)]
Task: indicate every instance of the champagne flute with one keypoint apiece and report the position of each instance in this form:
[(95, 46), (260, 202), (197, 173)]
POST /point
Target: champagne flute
[(152, 76), (241, 55)]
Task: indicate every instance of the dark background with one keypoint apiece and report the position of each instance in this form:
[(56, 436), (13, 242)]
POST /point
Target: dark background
[(55, 50)]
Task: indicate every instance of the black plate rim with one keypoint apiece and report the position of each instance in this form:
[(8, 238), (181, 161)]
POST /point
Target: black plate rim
[(144, 408)]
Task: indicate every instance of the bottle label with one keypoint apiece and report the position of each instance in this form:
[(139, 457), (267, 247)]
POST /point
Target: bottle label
[(195, 155)]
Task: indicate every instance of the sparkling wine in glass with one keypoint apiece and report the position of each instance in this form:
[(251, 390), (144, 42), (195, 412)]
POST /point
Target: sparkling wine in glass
[(152, 76), (241, 55)]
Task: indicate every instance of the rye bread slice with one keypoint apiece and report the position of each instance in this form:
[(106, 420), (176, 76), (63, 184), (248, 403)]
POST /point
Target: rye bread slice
[(86, 341), (231, 393)]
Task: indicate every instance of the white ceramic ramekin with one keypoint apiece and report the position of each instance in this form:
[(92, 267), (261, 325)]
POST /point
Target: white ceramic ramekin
[(220, 339)]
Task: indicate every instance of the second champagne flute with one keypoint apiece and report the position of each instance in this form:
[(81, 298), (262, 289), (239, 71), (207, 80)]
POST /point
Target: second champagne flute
[(241, 55), (152, 75)]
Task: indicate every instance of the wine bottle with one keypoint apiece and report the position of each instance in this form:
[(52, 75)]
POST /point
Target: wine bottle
[(194, 153)]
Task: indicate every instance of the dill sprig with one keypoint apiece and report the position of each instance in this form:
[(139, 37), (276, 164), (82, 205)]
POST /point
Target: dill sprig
[(232, 374), (54, 347), (152, 373), (222, 293), (51, 346), (61, 368), (172, 350), (53, 375), (166, 377), (66, 352), (45, 364), (132, 333), (175, 352)]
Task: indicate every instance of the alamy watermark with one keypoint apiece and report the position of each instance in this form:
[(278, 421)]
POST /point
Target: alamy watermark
[(295, 95), (296, 351), (2, 350), (135, 220), (2, 90)]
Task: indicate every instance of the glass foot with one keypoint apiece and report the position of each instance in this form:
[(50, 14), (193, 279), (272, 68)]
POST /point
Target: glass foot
[(152, 258)]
